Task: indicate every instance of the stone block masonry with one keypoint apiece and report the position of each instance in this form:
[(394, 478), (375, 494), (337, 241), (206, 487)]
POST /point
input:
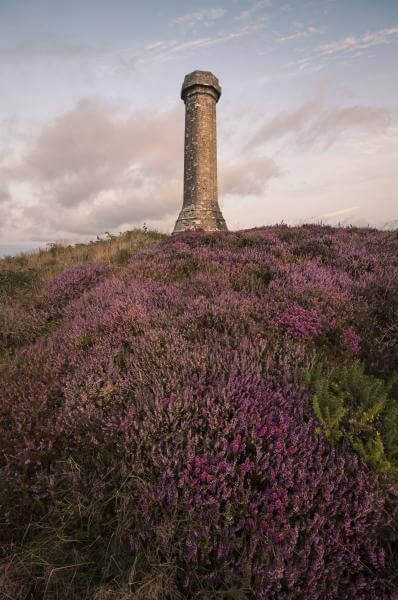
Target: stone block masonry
[(200, 92)]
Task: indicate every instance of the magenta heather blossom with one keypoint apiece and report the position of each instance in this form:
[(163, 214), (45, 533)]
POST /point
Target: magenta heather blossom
[(72, 283), (299, 322), (351, 340)]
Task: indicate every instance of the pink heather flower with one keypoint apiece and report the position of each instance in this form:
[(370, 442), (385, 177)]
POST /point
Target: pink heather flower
[(236, 444), (351, 341), (300, 322)]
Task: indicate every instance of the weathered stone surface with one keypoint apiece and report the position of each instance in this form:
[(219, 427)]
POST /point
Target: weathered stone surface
[(200, 92)]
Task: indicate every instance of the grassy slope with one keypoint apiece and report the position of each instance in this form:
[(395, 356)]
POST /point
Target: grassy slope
[(187, 421), (22, 277), (25, 274)]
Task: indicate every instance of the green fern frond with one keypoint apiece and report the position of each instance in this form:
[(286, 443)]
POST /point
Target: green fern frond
[(348, 402)]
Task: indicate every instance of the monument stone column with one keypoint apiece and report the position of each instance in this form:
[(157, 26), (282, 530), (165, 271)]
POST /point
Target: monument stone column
[(200, 210)]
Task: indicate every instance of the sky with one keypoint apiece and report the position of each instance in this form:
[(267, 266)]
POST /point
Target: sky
[(92, 124)]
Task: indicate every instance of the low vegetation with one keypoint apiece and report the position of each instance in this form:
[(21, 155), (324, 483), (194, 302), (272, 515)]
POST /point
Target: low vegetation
[(201, 416), (25, 274)]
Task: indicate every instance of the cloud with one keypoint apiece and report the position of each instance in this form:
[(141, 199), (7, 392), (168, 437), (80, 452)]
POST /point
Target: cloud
[(92, 168), (315, 124), (206, 16), (254, 8), (353, 43), (285, 122), (6, 206), (301, 34), (94, 136), (248, 176), (337, 213), (166, 50), (95, 169), (335, 123), (350, 45), (4, 193)]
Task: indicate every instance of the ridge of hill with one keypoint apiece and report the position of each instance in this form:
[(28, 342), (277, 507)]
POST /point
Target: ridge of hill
[(25, 273), (209, 415)]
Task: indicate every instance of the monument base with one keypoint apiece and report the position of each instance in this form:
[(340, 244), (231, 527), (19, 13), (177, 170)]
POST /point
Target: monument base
[(193, 218)]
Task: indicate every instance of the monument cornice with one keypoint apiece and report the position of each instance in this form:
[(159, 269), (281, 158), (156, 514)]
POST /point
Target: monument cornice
[(202, 80)]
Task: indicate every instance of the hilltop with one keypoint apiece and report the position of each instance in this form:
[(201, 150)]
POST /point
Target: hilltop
[(208, 415)]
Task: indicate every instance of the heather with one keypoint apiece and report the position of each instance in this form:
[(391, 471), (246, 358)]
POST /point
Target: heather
[(215, 416), (25, 274)]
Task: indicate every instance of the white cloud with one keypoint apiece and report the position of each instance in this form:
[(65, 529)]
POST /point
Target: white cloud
[(254, 8), (315, 184), (352, 42), (167, 50), (334, 124), (337, 213), (285, 122), (154, 45), (93, 169), (4, 193), (314, 124), (301, 34), (206, 16), (249, 175), (351, 45)]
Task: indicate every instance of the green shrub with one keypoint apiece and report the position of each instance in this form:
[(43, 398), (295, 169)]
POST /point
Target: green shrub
[(351, 404)]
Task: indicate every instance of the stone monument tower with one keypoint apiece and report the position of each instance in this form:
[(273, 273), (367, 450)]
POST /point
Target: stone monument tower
[(200, 92)]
